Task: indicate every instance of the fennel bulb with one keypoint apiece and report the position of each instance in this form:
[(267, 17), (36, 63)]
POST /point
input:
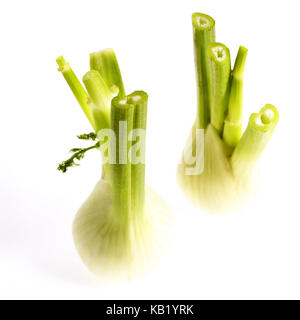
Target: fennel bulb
[(230, 157), (123, 226)]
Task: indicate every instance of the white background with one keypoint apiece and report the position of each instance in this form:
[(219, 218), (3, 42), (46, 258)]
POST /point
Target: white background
[(252, 254)]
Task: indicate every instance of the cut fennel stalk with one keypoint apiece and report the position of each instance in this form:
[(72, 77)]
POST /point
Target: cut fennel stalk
[(123, 226), (230, 157)]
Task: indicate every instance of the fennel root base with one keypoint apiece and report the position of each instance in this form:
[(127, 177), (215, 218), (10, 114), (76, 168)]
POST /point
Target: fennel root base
[(216, 190), (124, 249)]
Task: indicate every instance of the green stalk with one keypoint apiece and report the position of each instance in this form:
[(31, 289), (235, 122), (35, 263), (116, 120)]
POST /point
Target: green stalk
[(233, 123), (254, 140), (140, 100), (219, 83), (204, 34), (76, 87), (121, 123), (100, 97), (106, 63)]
